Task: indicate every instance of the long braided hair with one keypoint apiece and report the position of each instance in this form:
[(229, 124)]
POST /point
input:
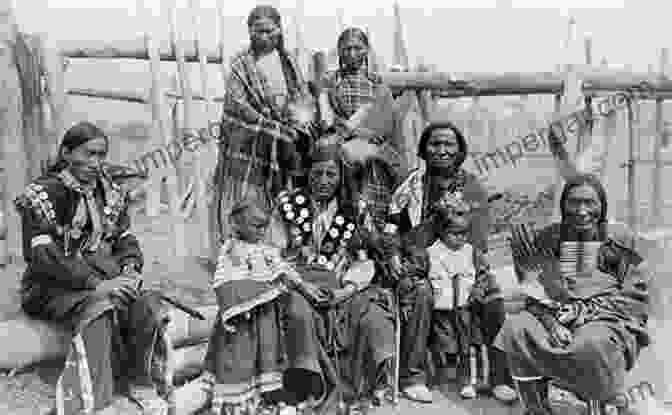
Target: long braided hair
[(271, 13), (353, 32)]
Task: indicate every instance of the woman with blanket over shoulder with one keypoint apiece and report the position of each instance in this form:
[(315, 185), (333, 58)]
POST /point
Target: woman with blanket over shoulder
[(265, 90), (83, 271), (588, 328), (365, 123), (340, 326)]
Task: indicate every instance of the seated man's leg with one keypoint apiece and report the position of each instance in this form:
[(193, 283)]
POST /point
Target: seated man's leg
[(93, 346), (417, 304), (593, 364), (303, 376), (97, 337)]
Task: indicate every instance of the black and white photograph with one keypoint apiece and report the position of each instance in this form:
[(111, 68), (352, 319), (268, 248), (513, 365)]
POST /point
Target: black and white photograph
[(285, 207)]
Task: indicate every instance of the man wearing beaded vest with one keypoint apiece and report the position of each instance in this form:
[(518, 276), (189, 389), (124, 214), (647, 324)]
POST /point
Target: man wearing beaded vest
[(588, 325), (340, 325), (444, 149), (83, 271)]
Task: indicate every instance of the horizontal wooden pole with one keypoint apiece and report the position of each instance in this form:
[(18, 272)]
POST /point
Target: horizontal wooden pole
[(133, 49), (597, 81), (441, 85), (129, 96), (476, 84), (197, 97), (126, 96)]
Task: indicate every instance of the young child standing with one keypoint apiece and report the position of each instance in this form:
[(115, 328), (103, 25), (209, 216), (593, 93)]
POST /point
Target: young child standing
[(462, 285), (244, 359)]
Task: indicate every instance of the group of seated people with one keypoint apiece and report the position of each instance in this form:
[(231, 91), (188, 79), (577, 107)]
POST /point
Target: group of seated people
[(329, 262), (336, 284)]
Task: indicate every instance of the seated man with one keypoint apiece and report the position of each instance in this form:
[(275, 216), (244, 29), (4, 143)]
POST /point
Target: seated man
[(83, 272), (589, 325), (339, 326)]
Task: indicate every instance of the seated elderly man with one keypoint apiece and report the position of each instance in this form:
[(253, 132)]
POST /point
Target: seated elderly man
[(339, 326), (587, 327)]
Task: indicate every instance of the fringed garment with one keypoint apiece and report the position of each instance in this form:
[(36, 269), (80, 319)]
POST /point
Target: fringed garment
[(74, 238), (245, 352), (343, 343), (253, 163), (606, 310), (376, 177)]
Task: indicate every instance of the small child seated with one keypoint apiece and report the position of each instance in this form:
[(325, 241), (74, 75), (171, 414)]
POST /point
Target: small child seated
[(462, 285), (245, 354)]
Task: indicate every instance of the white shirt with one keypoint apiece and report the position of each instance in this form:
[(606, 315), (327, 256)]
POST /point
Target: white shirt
[(445, 264)]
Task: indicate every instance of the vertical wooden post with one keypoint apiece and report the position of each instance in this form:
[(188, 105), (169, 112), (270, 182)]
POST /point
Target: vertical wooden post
[(11, 132), (221, 38), (214, 208), (54, 65), (204, 161), (557, 109), (185, 89), (475, 123), (158, 136), (655, 214), (300, 47), (588, 46), (161, 134), (36, 141), (202, 56), (633, 203)]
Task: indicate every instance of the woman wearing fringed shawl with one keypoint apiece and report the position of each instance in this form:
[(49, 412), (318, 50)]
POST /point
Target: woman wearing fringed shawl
[(587, 327), (340, 325), (263, 90), (444, 149), (365, 123), (84, 273)]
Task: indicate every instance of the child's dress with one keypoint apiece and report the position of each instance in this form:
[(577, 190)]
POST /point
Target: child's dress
[(245, 354)]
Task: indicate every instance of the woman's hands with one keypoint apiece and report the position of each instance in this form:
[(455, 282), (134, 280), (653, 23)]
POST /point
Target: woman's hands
[(317, 295), (320, 297)]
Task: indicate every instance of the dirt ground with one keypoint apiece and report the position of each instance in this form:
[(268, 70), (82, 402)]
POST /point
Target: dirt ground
[(32, 392)]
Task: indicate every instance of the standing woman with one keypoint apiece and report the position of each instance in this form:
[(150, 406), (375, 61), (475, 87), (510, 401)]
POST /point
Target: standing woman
[(372, 151), (264, 89)]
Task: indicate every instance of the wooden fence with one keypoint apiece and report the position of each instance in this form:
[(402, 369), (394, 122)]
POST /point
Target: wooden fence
[(417, 95)]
